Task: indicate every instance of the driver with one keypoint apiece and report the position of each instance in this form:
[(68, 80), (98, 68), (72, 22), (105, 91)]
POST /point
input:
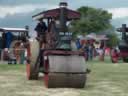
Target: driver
[(41, 28)]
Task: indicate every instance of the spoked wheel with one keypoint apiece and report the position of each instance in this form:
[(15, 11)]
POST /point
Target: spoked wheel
[(32, 52)]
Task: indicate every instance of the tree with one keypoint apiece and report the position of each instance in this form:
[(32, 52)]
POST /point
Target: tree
[(113, 39), (92, 20)]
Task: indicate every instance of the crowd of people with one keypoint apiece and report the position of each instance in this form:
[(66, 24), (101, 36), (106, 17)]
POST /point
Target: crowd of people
[(92, 48)]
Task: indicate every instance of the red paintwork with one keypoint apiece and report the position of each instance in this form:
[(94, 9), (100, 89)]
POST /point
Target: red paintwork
[(123, 54), (28, 70), (46, 66), (28, 51), (62, 52), (115, 55), (46, 80), (28, 65), (54, 13)]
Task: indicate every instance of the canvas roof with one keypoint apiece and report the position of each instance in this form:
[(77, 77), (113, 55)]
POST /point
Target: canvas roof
[(54, 13), (12, 29)]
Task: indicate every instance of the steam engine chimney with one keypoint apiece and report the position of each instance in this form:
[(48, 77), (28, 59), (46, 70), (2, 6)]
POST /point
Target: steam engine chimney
[(63, 16)]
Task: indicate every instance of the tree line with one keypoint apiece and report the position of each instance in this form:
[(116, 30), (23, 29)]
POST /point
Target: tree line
[(94, 20)]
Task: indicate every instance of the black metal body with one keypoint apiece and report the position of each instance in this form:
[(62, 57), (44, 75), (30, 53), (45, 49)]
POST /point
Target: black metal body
[(123, 44)]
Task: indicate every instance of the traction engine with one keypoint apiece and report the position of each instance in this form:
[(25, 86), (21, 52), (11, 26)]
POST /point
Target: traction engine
[(122, 50), (61, 66)]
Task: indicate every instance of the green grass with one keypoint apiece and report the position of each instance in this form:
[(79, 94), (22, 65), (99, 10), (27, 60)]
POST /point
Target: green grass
[(5, 67), (105, 79), (108, 80)]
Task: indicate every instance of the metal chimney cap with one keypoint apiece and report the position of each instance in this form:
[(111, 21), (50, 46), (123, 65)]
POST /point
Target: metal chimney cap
[(124, 25), (63, 4)]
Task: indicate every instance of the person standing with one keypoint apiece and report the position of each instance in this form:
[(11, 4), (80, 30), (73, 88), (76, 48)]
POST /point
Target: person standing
[(17, 51), (86, 49), (9, 38), (22, 54), (41, 28), (102, 48), (78, 44), (90, 49), (3, 40)]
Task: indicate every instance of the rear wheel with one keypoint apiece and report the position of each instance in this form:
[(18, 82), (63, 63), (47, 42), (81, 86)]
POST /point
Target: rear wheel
[(31, 69)]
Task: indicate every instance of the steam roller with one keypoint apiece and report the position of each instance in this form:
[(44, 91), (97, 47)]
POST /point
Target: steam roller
[(121, 52), (62, 66)]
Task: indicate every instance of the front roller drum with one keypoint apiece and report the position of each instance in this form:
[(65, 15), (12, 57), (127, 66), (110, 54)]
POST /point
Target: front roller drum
[(62, 80), (66, 72)]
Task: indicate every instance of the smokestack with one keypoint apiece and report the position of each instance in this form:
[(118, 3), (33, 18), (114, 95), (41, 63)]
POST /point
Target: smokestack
[(63, 4), (63, 16), (123, 31)]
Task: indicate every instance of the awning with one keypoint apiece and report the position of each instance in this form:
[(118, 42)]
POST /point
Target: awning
[(54, 13), (13, 30)]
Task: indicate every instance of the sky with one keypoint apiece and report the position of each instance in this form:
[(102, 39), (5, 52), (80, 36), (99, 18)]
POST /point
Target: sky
[(18, 13)]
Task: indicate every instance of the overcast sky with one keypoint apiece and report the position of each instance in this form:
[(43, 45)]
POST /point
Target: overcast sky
[(18, 13)]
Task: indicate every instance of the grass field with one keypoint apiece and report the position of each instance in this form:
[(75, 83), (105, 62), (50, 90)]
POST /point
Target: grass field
[(106, 79)]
